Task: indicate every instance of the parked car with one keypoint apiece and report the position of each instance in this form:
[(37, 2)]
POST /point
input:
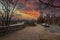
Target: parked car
[(45, 25)]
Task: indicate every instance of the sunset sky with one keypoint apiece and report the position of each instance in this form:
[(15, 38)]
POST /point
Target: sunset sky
[(32, 8)]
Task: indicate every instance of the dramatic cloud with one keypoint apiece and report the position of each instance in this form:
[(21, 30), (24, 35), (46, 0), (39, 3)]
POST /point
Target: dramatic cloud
[(31, 7)]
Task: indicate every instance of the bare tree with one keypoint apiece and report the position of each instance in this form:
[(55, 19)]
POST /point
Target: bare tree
[(8, 7), (49, 5)]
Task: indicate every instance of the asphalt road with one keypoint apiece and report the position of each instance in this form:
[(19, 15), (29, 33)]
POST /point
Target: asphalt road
[(32, 33)]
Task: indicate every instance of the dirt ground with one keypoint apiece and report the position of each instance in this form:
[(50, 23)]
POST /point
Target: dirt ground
[(32, 33)]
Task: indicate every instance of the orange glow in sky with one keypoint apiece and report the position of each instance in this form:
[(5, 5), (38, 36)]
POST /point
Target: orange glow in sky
[(26, 15), (30, 9)]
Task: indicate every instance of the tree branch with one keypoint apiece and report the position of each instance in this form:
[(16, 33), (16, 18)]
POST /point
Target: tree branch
[(48, 4)]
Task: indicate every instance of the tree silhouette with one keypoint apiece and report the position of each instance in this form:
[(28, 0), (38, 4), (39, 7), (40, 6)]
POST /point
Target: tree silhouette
[(7, 11), (49, 5)]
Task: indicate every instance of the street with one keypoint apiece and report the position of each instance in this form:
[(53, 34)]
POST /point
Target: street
[(32, 33)]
